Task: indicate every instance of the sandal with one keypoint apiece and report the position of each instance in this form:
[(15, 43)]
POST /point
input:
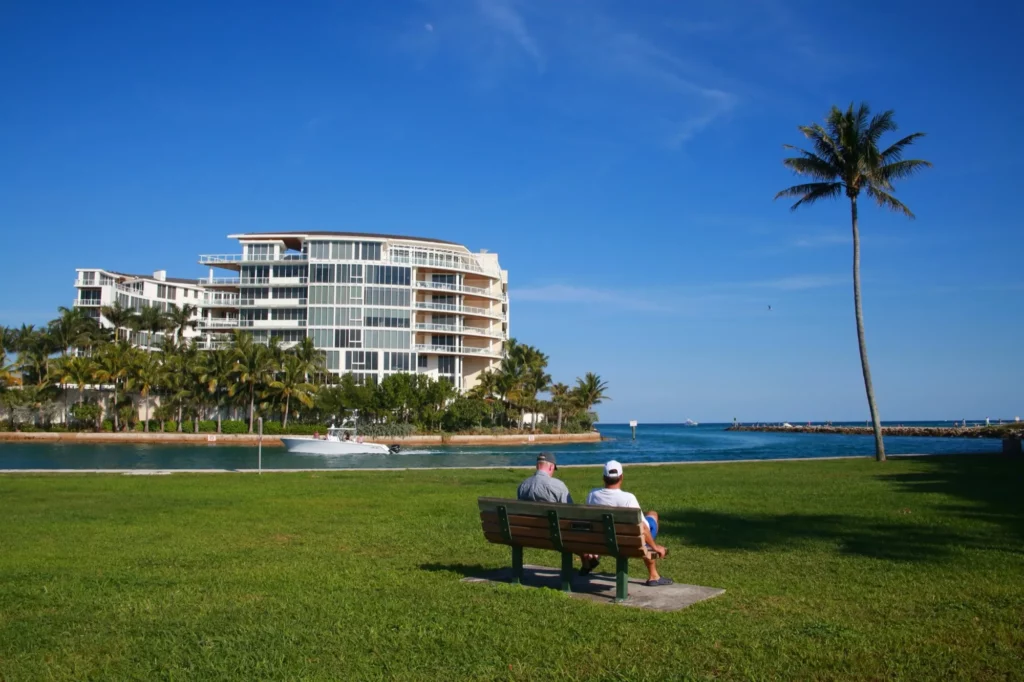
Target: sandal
[(659, 582)]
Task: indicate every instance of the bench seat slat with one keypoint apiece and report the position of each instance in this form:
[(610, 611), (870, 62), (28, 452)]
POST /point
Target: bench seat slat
[(564, 524), (573, 547), (567, 536), (581, 512)]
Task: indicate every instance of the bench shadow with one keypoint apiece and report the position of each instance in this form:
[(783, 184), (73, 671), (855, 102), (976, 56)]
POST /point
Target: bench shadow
[(465, 570)]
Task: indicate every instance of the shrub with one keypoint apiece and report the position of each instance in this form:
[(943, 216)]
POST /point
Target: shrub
[(386, 430), (207, 426), (234, 426), (58, 428), (108, 425), (170, 426)]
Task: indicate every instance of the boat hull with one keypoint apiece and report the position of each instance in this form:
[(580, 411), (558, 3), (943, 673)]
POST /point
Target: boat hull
[(315, 446)]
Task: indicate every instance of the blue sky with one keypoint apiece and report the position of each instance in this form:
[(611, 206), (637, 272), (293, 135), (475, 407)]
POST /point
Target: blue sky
[(620, 157)]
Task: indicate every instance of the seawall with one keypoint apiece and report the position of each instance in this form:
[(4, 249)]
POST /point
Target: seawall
[(247, 439), (922, 431)]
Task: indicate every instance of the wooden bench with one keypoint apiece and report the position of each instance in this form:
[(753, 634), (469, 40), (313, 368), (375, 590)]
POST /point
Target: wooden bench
[(566, 528)]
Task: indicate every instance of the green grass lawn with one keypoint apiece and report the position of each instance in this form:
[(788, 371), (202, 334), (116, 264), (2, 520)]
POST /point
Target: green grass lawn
[(912, 569)]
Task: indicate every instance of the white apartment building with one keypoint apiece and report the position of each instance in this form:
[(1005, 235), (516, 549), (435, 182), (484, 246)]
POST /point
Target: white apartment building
[(375, 304)]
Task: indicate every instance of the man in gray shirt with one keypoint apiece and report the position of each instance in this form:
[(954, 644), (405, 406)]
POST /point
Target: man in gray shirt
[(542, 487)]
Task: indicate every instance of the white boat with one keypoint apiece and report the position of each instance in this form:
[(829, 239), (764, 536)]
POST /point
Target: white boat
[(690, 422), (340, 440)]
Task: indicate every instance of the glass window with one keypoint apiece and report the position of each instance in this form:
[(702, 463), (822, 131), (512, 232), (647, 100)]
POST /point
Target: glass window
[(446, 364), (421, 361), (321, 273)]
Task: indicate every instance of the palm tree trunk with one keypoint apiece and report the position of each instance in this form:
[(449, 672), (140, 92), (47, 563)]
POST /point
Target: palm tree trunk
[(252, 400), (115, 407), (145, 398), (287, 404), (559, 419), (218, 416), (865, 367), (180, 415)]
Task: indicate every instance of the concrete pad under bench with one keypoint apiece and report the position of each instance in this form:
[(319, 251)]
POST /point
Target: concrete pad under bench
[(600, 587)]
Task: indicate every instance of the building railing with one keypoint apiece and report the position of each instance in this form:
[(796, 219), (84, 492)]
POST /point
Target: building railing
[(88, 302), (271, 302), (220, 300), (219, 258), (452, 308), (219, 322), (455, 350), (433, 257), (457, 329), (272, 323), (457, 288)]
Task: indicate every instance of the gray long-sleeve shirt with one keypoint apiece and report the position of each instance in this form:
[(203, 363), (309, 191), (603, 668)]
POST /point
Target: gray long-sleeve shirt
[(541, 487)]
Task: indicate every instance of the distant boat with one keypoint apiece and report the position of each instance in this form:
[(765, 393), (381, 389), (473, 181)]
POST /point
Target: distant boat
[(690, 422)]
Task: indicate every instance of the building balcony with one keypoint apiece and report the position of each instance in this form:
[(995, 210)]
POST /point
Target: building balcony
[(456, 350), (458, 329), (271, 302), (218, 323), (462, 309), (88, 302), (458, 289), (272, 324), (434, 258), (222, 300), (236, 258)]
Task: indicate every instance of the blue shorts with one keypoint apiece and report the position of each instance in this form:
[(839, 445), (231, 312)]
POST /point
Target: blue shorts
[(653, 523)]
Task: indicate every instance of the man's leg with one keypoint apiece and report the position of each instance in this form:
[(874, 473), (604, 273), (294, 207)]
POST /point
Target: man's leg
[(655, 550)]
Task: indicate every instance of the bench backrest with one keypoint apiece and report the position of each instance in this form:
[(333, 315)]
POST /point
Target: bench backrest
[(575, 528)]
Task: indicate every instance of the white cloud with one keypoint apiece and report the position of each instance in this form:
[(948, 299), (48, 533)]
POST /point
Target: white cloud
[(506, 19)]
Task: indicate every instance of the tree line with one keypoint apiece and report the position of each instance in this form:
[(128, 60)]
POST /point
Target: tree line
[(99, 379)]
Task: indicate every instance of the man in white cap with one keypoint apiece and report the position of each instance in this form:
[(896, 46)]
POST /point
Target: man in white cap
[(612, 495)]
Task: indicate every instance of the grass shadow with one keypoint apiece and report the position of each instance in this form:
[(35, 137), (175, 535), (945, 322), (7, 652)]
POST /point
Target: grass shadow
[(988, 485), (465, 570)]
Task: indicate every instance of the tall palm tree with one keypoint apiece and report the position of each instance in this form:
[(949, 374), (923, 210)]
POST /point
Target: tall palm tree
[(590, 390), (217, 368), (72, 329), (846, 160), (254, 365), (77, 370), (181, 319), (118, 316), (312, 358), (145, 373), (559, 395), (291, 383), (112, 367)]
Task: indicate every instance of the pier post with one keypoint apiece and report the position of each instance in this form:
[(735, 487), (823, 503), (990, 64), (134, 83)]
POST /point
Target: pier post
[(632, 426)]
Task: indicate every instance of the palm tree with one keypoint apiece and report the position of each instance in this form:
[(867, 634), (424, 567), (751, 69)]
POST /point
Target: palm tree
[(291, 383), (590, 391), (312, 358), (253, 366), (118, 316), (144, 375), (112, 367), (559, 395), (181, 319), (846, 160), (74, 369), (217, 368), (152, 320), (72, 329)]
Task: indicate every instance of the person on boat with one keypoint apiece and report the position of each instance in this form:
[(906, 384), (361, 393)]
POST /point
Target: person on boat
[(612, 495), (347, 436), (543, 486)]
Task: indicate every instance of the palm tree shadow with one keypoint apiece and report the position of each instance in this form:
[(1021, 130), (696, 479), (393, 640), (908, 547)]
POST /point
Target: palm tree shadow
[(988, 485)]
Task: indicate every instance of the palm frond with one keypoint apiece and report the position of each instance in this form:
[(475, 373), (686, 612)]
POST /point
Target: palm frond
[(886, 200), (825, 143), (898, 170), (880, 124), (894, 152), (811, 164), (812, 192)]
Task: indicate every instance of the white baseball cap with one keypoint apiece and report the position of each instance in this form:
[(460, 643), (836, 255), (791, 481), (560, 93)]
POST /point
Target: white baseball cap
[(612, 469)]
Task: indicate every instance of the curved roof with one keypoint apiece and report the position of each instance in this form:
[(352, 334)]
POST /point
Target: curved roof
[(328, 233)]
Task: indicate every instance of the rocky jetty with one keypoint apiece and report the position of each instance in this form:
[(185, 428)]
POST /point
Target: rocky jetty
[(994, 431)]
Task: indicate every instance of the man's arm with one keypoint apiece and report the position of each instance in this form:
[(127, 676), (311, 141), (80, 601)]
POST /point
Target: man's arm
[(645, 530)]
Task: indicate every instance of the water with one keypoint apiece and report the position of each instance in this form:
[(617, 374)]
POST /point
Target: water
[(654, 443)]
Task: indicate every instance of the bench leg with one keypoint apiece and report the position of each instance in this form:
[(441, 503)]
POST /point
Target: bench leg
[(517, 564), (621, 578), (566, 572)]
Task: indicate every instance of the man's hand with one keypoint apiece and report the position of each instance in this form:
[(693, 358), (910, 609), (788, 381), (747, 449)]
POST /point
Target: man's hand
[(660, 550)]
